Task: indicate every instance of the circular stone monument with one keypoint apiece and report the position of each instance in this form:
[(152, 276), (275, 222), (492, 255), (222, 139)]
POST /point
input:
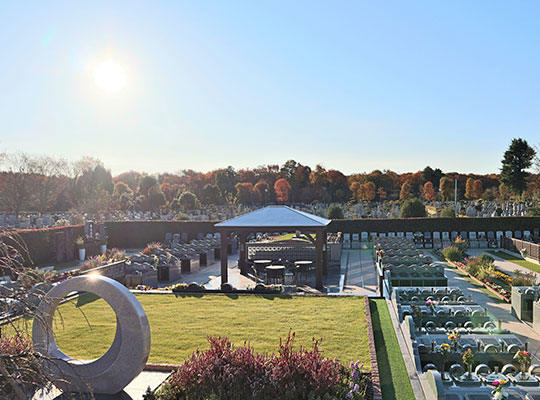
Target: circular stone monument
[(123, 361)]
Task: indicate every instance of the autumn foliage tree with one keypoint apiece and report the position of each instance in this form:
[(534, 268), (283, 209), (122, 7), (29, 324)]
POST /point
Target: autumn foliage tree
[(478, 188), (261, 192), (282, 189), (363, 191), (446, 187), (428, 191), (405, 192), (469, 190), (244, 192)]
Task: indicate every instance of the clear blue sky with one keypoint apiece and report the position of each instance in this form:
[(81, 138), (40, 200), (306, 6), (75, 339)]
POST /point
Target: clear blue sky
[(353, 85)]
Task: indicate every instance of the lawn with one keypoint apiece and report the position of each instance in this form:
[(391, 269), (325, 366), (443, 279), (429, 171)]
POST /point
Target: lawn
[(180, 324), (395, 383), (516, 260)]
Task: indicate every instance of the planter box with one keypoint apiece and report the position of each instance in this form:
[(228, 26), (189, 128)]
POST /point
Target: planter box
[(479, 282), (134, 280), (163, 274), (189, 265), (206, 257)]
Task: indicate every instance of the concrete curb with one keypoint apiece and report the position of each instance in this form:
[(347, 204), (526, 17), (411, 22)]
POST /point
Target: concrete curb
[(161, 367)]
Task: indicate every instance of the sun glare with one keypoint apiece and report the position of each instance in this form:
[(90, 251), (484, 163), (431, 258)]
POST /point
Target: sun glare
[(110, 76)]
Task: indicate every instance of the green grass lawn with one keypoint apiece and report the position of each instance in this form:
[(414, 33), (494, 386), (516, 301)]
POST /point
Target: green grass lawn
[(395, 383), (180, 324), (516, 260)]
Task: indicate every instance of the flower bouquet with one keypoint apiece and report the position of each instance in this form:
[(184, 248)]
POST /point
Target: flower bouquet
[(431, 304), (468, 359), (499, 393), (524, 360), (443, 351), (454, 337)]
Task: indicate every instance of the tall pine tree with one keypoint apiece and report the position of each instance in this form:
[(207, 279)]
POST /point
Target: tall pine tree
[(517, 159)]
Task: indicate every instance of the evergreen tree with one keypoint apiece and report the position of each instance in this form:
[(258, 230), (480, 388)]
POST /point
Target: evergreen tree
[(517, 159)]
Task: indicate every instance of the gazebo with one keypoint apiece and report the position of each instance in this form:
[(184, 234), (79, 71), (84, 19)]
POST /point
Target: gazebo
[(274, 219)]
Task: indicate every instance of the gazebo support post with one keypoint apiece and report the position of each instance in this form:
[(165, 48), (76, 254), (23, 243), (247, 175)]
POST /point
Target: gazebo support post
[(242, 251), (319, 260), (325, 253), (224, 256)]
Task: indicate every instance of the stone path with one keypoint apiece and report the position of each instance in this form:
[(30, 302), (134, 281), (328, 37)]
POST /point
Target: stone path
[(134, 391), (498, 309), (361, 272)]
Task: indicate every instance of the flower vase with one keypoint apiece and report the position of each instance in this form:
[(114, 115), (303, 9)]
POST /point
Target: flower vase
[(82, 254), (469, 372)]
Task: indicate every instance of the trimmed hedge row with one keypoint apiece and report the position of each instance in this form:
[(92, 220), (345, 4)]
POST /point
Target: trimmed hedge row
[(136, 234), (56, 244), (436, 224), (47, 244)]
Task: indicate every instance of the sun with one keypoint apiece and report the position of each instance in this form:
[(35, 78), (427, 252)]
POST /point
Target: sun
[(110, 76)]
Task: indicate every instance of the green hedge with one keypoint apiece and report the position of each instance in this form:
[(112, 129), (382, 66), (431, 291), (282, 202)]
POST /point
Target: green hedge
[(48, 245), (56, 244), (136, 234), (436, 224)]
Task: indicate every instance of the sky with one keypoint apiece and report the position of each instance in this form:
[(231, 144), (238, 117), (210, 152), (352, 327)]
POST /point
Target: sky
[(354, 86)]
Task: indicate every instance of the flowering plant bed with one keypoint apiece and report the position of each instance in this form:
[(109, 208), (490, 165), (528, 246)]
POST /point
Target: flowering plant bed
[(229, 372), (492, 287)]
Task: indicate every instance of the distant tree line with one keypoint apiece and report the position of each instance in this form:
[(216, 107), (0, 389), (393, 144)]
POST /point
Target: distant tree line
[(45, 184)]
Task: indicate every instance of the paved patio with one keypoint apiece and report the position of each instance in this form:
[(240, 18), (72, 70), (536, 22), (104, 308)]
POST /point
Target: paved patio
[(361, 271)]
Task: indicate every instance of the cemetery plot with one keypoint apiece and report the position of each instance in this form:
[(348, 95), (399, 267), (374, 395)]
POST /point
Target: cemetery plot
[(460, 351)]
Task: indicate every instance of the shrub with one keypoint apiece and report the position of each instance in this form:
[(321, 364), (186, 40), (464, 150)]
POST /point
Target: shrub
[(486, 259), (534, 211), (335, 212), (29, 277), (228, 372), (413, 208), (448, 212), (93, 262), (461, 244), (485, 273), (524, 279), (473, 267), (116, 255), (22, 368), (452, 253), (152, 248)]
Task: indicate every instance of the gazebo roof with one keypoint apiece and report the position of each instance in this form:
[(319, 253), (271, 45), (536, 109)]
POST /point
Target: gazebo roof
[(275, 217)]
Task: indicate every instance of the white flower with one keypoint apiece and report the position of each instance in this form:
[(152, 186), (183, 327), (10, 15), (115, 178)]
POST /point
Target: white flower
[(502, 395)]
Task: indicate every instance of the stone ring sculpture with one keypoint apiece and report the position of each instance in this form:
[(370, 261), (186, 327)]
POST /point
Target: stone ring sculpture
[(123, 361)]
